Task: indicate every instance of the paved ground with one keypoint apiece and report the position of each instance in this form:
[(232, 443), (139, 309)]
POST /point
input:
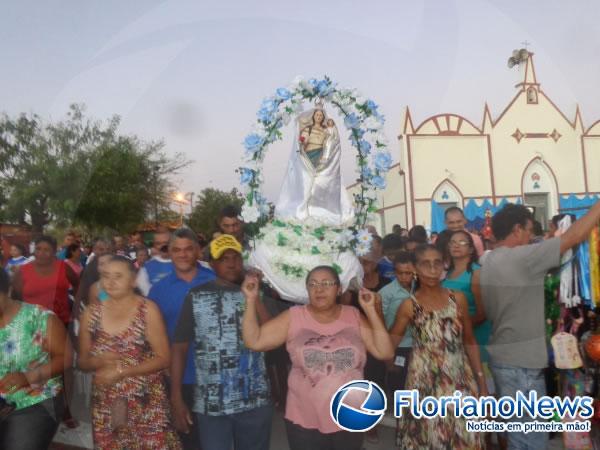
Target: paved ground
[(81, 437)]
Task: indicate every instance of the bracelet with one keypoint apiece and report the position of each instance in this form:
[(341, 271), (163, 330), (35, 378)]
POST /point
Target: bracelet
[(480, 374)]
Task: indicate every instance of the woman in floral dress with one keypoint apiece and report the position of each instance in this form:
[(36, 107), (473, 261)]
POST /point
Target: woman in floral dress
[(445, 357), (33, 353), (124, 342)]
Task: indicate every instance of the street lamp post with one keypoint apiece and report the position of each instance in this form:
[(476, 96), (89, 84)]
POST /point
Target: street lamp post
[(191, 196), (183, 199), (180, 200)]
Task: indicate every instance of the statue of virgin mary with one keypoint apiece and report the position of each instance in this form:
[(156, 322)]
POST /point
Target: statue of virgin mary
[(312, 194), (312, 189)]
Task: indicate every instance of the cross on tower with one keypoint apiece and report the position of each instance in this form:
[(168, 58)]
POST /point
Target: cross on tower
[(525, 44)]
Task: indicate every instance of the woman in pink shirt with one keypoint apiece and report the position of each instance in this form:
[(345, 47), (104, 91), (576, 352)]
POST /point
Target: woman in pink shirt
[(327, 343)]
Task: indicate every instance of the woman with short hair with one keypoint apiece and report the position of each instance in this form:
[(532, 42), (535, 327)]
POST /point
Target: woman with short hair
[(328, 344)]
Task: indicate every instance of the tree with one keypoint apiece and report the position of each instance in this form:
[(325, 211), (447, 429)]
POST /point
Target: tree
[(38, 166), (79, 171), (207, 208)]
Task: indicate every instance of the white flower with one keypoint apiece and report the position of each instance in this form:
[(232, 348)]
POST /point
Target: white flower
[(364, 236), (323, 247), (250, 213), (286, 117), (371, 123), (381, 138), (370, 194), (304, 84), (253, 165), (297, 82), (264, 208), (362, 248), (343, 239), (372, 217)]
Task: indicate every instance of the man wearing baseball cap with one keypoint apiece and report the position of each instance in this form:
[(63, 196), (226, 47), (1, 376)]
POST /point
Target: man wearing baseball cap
[(232, 402)]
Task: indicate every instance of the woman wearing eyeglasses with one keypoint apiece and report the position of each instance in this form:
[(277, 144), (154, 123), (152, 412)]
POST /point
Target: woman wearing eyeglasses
[(445, 356), (327, 343), (463, 276)]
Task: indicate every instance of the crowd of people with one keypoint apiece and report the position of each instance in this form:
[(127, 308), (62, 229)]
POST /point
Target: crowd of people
[(186, 345)]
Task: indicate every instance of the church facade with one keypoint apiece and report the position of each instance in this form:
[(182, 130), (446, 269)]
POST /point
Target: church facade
[(532, 153)]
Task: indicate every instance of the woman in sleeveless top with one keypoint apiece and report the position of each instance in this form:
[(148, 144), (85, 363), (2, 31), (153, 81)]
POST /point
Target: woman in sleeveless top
[(463, 275), (33, 354), (327, 343), (445, 357), (46, 280), (124, 343)]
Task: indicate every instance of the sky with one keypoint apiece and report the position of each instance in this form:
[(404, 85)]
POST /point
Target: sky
[(193, 73)]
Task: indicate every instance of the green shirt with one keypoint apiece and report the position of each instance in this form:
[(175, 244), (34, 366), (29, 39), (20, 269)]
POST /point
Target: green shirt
[(22, 348)]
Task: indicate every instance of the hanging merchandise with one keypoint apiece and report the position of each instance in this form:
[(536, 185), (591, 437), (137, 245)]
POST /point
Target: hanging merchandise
[(583, 266), (569, 295), (565, 346), (573, 383), (566, 353)]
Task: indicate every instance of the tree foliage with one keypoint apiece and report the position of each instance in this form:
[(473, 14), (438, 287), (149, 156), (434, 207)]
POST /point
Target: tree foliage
[(79, 171), (207, 208)]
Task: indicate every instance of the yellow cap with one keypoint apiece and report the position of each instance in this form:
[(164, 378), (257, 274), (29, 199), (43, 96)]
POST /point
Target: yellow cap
[(222, 243)]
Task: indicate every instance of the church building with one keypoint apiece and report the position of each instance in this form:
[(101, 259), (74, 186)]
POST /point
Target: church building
[(531, 153)]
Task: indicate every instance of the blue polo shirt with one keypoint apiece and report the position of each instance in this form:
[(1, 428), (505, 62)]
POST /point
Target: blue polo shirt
[(169, 294)]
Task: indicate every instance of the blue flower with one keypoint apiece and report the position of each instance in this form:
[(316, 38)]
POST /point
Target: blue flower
[(366, 172), (253, 142), (264, 115), (356, 136), (269, 104), (371, 106), (364, 147), (313, 82), (380, 117), (267, 108), (324, 87), (383, 161), (283, 94), (378, 182), (246, 175), (351, 121)]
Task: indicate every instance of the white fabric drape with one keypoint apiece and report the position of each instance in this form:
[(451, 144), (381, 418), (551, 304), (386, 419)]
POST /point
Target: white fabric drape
[(315, 193)]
